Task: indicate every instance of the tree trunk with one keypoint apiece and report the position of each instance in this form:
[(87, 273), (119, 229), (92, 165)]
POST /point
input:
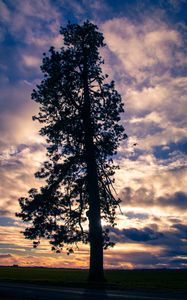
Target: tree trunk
[(96, 272)]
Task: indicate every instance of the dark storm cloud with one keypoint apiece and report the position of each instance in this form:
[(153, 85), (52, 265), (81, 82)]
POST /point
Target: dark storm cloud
[(178, 200), (138, 197), (145, 197), (173, 246), (175, 251), (145, 234), (181, 230), (178, 261), (142, 235)]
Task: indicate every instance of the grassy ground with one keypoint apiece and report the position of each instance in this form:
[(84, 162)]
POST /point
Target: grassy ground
[(164, 279)]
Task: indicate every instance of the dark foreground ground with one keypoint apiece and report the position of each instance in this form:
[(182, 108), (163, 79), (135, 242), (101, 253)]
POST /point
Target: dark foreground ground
[(42, 283), (25, 291)]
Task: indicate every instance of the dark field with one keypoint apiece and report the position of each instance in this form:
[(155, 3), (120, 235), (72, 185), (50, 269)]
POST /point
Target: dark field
[(119, 279)]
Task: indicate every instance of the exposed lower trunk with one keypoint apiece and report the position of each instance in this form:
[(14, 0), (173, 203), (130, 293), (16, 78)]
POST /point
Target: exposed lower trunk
[(96, 272), (95, 229)]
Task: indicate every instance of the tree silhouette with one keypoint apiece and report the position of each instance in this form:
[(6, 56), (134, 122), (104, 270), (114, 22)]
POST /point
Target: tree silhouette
[(80, 114)]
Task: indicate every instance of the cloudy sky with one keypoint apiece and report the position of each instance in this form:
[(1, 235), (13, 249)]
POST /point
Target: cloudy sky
[(146, 56)]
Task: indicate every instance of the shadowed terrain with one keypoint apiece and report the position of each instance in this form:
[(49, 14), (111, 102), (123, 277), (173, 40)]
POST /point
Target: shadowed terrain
[(115, 279)]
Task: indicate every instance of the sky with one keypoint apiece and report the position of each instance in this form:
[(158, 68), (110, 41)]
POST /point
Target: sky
[(146, 56)]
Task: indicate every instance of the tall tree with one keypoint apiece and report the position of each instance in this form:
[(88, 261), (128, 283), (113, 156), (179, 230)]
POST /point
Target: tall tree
[(80, 114)]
